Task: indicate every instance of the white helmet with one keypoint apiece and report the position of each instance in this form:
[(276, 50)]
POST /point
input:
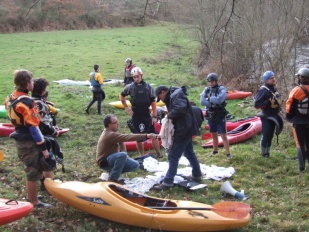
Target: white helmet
[(136, 71), (128, 60)]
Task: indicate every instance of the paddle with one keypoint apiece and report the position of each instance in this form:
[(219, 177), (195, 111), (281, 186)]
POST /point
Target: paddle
[(228, 209)]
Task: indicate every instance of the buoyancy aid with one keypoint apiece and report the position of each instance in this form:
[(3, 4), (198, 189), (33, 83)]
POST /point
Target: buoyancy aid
[(94, 83), (214, 91), (303, 105), (140, 97), (15, 117)]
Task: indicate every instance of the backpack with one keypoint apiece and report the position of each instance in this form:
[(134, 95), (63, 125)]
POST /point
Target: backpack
[(303, 106)]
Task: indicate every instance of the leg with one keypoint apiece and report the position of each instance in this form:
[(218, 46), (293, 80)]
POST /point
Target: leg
[(130, 165), (99, 97), (91, 102), (156, 146), (215, 140), (32, 192), (116, 163), (268, 129), (140, 148), (225, 143), (173, 159), (191, 156)]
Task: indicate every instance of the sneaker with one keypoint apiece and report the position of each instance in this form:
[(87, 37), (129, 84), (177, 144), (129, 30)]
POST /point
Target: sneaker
[(197, 178), (42, 205), (162, 187), (229, 156), (119, 181), (266, 155), (213, 153)]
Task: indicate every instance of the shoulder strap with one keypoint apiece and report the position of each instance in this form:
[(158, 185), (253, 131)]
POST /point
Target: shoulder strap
[(304, 89)]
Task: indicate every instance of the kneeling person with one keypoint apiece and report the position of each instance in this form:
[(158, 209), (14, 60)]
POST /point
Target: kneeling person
[(111, 151)]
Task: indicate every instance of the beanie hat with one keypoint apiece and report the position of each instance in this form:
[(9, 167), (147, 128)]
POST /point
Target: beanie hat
[(267, 75)]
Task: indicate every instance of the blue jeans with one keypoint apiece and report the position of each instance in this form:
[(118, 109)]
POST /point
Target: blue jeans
[(174, 155), (119, 163)]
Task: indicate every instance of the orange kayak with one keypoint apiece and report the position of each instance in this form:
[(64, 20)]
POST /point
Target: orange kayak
[(114, 202), (235, 94)]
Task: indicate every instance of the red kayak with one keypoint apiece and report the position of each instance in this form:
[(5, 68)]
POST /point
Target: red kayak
[(235, 94), (11, 210), (239, 134), (7, 128), (131, 145), (231, 125)]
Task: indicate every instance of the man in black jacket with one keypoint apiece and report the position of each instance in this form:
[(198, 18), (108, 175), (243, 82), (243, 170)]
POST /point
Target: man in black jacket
[(185, 126)]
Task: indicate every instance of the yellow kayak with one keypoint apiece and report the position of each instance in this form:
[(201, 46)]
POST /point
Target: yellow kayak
[(118, 104), (114, 202)]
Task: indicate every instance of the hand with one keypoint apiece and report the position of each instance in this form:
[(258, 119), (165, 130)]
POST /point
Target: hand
[(154, 120), (45, 154), (129, 111)]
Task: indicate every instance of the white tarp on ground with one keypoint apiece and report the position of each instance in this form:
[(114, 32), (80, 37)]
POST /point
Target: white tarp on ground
[(143, 185), (85, 83)]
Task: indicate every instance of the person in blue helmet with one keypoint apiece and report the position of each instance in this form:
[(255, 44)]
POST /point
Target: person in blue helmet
[(268, 100)]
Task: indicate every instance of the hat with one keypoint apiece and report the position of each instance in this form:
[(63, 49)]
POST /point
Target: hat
[(159, 89), (267, 75)]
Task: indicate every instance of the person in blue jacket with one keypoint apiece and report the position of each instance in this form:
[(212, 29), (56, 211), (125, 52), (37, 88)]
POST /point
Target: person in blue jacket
[(269, 101), (213, 97)]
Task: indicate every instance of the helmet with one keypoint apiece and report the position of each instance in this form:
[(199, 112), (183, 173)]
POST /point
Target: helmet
[(212, 77), (304, 72), (136, 71), (128, 60), (267, 75)]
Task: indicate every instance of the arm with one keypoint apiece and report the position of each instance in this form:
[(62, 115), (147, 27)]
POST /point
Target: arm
[(154, 112), (220, 98), (99, 78), (261, 99), (203, 100), (123, 100)]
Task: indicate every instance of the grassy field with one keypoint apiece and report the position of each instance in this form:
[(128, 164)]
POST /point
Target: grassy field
[(279, 193)]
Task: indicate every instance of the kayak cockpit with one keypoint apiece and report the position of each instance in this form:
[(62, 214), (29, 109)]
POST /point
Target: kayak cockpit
[(141, 199)]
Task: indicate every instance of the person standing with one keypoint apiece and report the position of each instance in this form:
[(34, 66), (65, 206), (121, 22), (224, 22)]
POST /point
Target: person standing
[(23, 114), (98, 93), (128, 79), (297, 112), (213, 97), (111, 152), (142, 97), (269, 101), (185, 126)]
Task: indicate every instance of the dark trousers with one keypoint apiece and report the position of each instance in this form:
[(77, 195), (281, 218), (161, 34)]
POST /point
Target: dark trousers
[(97, 96)]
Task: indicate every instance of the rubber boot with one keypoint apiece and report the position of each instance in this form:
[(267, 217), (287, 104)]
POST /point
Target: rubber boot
[(264, 151), (301, 160)]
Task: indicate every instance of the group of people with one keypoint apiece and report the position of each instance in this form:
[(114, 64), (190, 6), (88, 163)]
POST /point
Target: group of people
[(32, 119)]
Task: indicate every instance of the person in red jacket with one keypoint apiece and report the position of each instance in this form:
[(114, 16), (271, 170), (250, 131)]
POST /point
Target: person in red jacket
[(128, 79)]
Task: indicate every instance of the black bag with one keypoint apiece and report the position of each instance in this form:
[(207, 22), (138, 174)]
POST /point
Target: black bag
[(47, 165)]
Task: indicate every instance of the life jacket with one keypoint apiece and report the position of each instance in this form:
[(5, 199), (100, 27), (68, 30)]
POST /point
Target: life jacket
[(128, 70), (94, 83), (214, 92), (140, 97), (16, 118), (276, 100), (303, 106), (44, 111)]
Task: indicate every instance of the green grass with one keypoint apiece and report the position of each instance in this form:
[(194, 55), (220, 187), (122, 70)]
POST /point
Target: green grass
[(278, 192)]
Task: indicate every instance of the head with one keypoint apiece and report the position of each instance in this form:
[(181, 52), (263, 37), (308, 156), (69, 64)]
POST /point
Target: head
[(128, 61), (212, 79), (111, 122), (137, 74), (303, 76), (161, 92), (269, 78), (96, 67), (39, 86), (23, 80)]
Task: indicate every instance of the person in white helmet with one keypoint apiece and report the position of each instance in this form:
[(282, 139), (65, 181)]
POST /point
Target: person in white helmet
[(128, 79), (142, 97)]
